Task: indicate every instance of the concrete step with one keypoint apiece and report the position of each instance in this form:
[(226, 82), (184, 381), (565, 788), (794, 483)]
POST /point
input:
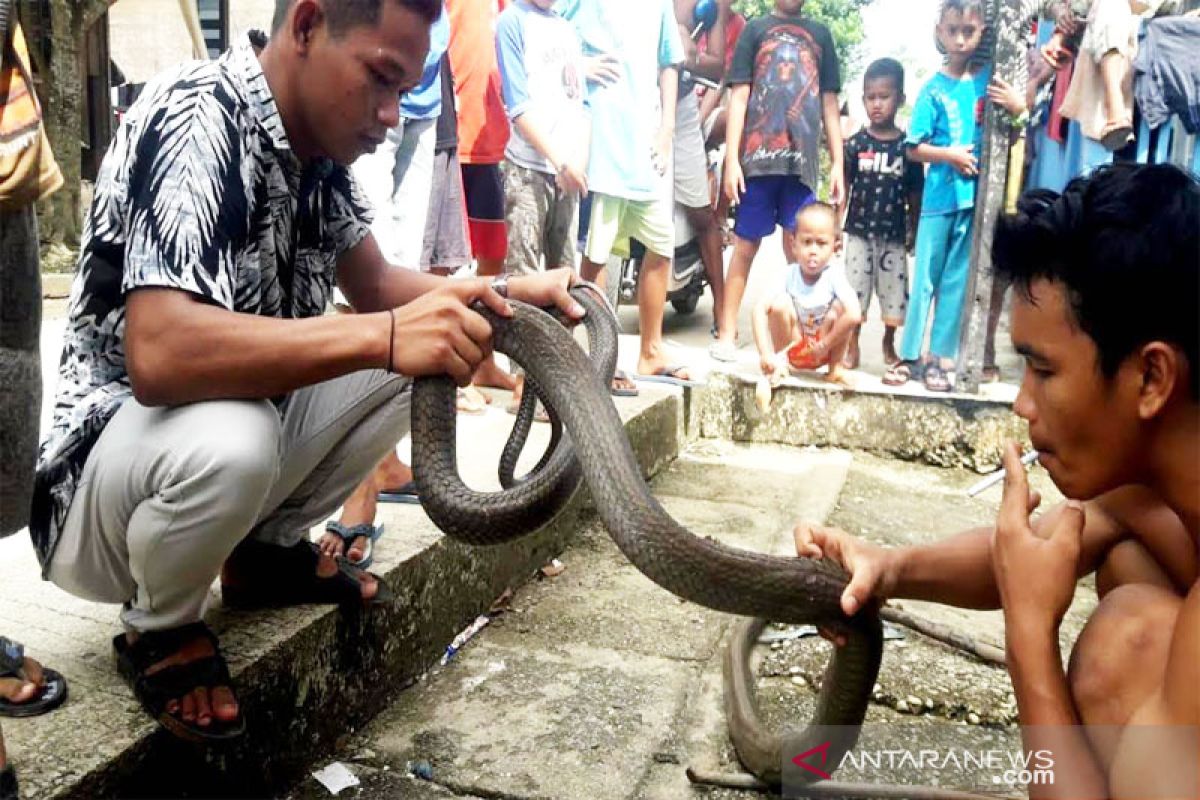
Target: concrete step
[(306, 677)]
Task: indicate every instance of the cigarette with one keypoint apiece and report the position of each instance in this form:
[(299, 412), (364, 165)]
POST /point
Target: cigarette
[(998, 475)]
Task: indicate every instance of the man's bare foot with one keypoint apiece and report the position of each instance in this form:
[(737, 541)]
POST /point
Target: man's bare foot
[(203, 704), (18, 691), (489, 374)]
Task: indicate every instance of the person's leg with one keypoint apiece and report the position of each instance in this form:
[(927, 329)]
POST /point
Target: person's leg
[(561, 228), (690, 163), (837, 347), (334, 435), (526, 208), (652, 223), (932, 246), (527, 204), (860, 272), (483, 188), (891, 287), (161, 504), (20, 364), (1119, 660), (782, 322), (757, 215), (951, 291), (604, 225), (708, 236), (995, 309), (401, 219), (446, 248), (389, 475)]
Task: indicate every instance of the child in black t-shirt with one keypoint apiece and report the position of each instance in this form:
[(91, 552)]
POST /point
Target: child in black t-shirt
[(885, 202), (783, 81)]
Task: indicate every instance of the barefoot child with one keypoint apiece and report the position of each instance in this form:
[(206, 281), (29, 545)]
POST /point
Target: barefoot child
[(885, 201), (808, 324)]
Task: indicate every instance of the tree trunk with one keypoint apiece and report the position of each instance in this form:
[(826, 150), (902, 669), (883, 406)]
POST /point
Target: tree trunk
[(61, 216)]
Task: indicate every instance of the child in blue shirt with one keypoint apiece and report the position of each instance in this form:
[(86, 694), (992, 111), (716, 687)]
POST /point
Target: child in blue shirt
[(945, 133), (633, 128)]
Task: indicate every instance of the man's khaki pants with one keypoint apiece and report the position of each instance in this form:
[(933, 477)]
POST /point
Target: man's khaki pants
[(167, 493)]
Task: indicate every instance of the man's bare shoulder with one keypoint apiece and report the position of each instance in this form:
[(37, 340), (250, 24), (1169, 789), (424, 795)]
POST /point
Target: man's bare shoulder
[(1137, 512)]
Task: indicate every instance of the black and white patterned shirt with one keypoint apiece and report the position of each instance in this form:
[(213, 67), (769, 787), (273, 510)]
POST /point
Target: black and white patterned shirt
[(201, 192), (880, 178)]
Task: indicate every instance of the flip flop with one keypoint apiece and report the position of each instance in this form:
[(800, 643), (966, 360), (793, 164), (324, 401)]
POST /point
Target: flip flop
[(936, 379), (53, 694), (668, 375), (622, 391), (899, 374), (406, 494), (723, 351), (1115, 135), (348, 533)]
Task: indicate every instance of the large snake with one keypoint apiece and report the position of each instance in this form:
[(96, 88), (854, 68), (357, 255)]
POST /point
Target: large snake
[(589, 443)]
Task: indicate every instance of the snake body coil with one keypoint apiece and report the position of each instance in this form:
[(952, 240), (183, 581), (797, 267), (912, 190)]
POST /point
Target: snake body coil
[(703, 571)]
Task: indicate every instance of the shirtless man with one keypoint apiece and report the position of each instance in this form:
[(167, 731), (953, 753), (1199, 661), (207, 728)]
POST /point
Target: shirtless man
[(1105, 317)]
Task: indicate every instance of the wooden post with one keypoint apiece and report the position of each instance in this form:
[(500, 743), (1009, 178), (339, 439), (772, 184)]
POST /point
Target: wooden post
[(1009, 60), (98, 113)]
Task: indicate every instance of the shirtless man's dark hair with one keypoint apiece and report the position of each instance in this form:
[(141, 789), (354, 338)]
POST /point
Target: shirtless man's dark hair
[(1105, 317), (1124, 242)]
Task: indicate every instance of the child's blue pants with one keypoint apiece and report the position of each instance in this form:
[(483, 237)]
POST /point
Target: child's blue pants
[(943, 264)]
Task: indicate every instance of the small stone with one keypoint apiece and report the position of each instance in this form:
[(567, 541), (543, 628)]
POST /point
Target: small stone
[(902, 707), (666, 758), (776, 645), (914, 702), (877, 689), (796, 679), (928, 704), (794, 671), (973, 718)]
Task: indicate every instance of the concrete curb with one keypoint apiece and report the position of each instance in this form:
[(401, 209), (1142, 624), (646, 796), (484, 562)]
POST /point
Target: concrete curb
[(309, 677), (949, 431)]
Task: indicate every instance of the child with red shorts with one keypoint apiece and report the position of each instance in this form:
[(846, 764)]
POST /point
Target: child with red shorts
[(808, 324)]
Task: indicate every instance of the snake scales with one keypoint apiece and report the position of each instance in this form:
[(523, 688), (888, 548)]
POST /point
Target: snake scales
[(589, 443)]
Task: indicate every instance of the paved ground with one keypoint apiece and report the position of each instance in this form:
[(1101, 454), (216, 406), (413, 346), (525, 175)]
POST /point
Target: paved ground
[(597, 684)]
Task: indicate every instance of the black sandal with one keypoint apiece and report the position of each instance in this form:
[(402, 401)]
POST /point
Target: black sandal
[(936, 379), (12, 665), (8, 784), (155, 691), (279, 576)]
